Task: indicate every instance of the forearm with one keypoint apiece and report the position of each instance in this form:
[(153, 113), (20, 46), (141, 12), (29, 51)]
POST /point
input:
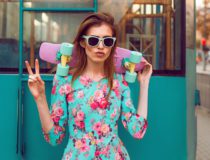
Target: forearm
[(143, 100), (44, 114)]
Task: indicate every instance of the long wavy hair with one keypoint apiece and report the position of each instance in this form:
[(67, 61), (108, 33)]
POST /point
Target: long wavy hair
[(95, 19)]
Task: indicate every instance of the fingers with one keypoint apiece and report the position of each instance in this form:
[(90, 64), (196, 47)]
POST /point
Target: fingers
[(144, 60), (30, 72), (35, 79), (147, 67), (37, 66), (147, 70), (28, 68), (40, 80), (32, 78)]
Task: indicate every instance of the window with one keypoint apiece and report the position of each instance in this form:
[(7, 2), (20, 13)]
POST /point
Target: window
[(152, 27), (9, 36), (48, 27)]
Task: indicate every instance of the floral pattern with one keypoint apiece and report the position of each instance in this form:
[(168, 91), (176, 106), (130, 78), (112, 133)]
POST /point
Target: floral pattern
[(92, 119)]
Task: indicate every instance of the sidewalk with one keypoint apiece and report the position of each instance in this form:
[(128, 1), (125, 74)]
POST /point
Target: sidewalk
[(203, 84), (199, 68), (203, 133)]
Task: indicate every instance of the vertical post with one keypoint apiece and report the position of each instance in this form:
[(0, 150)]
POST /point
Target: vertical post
[(157, 32), (4, 22), (205, 14), (21, 39), (95, 4), (168, 34), (19, 109), (32, 41), (124, 32)]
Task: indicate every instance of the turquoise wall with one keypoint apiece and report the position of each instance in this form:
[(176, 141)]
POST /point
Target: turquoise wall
[(165, 138), (35, 145), (190, 96), (9, 116)]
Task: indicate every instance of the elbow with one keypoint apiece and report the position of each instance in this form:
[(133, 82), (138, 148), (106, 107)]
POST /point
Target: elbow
[(59, 140), (54, 140), (139, 135), (140, 132)]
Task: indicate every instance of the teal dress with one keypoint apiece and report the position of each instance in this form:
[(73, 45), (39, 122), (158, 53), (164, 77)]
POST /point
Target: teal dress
[(91, 119)]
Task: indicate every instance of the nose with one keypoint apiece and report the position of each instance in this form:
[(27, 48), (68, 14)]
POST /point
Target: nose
[(100, 45)]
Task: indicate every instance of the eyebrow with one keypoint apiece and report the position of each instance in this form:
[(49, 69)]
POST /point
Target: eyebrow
[(102, 37)]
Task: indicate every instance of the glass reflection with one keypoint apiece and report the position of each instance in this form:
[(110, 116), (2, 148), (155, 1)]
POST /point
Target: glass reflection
[(58, 4), (147, 26), (48, 27), (9, 35)]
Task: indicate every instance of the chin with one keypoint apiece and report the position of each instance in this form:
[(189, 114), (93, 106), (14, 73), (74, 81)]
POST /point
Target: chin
[(98, 60)]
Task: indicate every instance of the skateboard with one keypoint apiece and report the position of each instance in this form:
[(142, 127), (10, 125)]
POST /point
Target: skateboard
[(126, 61)]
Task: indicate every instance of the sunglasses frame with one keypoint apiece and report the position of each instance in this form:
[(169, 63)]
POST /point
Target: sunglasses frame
[(99, 40)]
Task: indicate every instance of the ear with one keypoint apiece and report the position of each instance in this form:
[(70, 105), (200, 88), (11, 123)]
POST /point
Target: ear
[(82, 43)]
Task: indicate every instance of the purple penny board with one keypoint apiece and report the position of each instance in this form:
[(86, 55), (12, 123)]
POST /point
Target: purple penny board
[(48, 51)]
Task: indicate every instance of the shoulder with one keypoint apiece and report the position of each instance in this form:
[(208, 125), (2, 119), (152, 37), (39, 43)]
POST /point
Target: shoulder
[(121, 79), (118, 76)]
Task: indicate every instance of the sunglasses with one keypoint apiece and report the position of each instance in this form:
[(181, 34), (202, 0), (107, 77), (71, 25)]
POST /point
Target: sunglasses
[(94, 41)]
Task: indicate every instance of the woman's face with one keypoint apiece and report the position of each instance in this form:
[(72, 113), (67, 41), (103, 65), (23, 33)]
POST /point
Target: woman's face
[(98, 53)]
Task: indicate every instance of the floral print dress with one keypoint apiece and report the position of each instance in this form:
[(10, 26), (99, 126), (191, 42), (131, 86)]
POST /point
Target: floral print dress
[(91, 119)]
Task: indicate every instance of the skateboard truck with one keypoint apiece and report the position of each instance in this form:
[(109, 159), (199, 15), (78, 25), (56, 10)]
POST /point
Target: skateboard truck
[(129, 64), (64, 55)]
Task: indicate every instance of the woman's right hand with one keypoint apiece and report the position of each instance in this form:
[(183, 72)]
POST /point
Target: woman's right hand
[(35, 83)]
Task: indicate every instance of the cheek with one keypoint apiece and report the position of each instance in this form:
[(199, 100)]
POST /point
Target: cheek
[(108, 51), (88, 50)]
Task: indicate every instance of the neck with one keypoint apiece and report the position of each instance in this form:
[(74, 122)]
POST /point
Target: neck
[(94, 70)]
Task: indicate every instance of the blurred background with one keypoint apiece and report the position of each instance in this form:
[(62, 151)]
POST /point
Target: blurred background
[(203, 77), (173, 35)]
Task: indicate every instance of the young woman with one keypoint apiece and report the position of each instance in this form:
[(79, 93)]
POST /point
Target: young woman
[(92, 97)]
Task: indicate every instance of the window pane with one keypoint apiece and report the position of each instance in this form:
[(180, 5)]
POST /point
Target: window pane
[(48, 27), (58, 3), (9, 34), (144, 28)]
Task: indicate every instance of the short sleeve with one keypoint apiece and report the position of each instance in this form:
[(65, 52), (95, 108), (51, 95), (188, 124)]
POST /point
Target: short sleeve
[(134, 123), (58, 110)]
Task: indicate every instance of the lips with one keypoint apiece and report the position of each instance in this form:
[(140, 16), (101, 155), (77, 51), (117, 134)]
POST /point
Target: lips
[(100, 54)]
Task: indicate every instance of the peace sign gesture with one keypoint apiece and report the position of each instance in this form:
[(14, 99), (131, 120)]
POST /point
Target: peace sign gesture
[(35, 83)]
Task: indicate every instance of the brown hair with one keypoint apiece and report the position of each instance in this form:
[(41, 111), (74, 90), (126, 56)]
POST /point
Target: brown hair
[(95, 19)]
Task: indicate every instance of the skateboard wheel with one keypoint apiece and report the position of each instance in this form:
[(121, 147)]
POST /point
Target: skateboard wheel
[(66, 49), (135, 57), (62, 70), (130, 77)]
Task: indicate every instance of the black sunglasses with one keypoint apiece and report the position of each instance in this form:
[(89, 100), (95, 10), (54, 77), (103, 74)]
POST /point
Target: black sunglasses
[(94, 41)]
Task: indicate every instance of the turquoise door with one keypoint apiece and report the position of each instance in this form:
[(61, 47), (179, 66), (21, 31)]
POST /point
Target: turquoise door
[(9, 116), (33, 144)]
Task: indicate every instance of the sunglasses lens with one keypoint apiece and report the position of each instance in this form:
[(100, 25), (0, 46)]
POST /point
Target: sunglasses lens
[(93, 41), (108, 42)]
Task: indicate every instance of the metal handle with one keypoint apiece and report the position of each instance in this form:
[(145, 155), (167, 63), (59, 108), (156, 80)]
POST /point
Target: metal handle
[(18, 118), (22, 126)]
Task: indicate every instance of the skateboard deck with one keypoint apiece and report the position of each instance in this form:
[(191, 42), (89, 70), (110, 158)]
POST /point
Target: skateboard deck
[(48, 51)]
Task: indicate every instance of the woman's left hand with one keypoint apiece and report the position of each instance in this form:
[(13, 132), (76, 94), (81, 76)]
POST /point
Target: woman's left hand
[(145, 74)]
